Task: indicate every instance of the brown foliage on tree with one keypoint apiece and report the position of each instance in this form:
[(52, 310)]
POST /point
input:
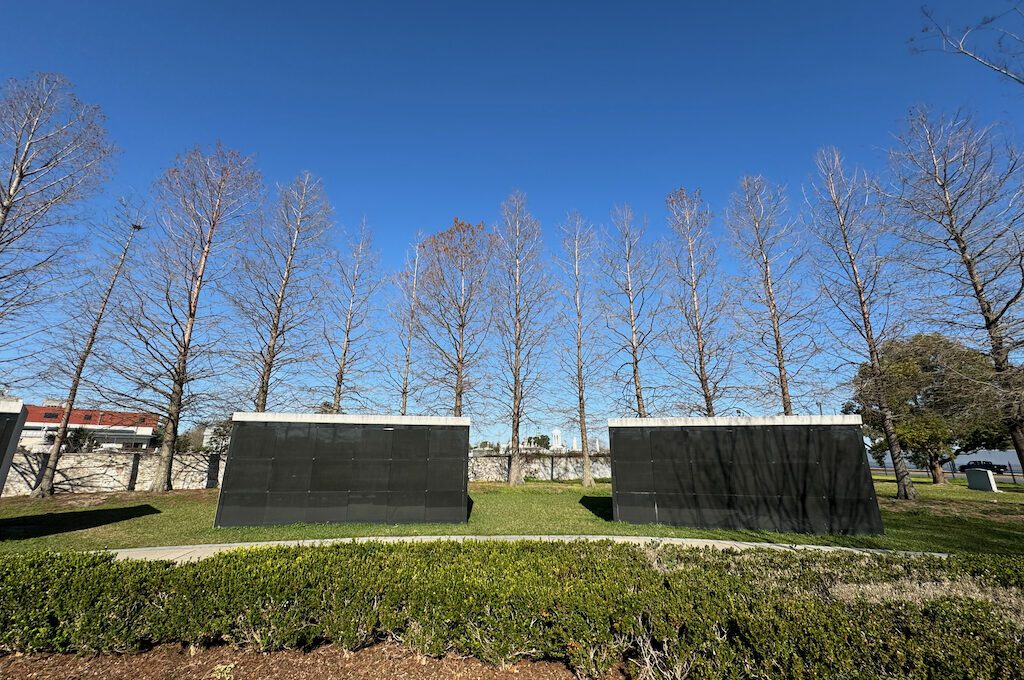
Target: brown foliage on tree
[(455, 311)]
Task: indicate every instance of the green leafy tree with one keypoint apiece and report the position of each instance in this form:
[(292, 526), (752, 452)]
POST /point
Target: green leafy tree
[(79, 440), (938, 390), (219, 440), (541, 440)]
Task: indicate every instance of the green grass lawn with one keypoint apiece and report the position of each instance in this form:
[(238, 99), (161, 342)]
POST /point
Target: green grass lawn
[(947, 518)]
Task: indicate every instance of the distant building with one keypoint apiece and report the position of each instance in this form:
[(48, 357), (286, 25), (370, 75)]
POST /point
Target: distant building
[(107, 429)]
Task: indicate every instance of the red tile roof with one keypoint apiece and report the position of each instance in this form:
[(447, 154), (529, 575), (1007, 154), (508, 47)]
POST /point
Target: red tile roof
[(90, 416)]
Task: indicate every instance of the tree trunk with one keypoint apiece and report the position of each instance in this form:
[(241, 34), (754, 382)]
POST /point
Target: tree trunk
[(938, 474), (457, 406), (904, 484), (460, 365), (45, 487), (588, 477), (261, 393), (515, 476), (993, 326), (1017, 436), (634, 344), (634, 348), (515, 465), (267, 368), (343, 362), (780, 355), (588, 474), (162, 477), (698, 328), (270, 355), (162, 480), (339, 378), (410, 331)]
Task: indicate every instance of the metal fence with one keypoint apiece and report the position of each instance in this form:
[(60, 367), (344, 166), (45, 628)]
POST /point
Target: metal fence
[(1012, 475)]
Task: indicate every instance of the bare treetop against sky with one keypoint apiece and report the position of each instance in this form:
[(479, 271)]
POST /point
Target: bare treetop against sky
[(415, 112), (412, 117)]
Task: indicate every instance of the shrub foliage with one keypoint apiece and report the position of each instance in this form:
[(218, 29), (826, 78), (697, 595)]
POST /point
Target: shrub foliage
[(668, 611)]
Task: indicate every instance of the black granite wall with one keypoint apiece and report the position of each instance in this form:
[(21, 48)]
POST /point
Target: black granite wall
[(10, 430), (799, 478), (281, 473)]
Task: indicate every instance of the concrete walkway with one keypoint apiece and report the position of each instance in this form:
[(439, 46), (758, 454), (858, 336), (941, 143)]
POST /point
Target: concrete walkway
[(192, 553)]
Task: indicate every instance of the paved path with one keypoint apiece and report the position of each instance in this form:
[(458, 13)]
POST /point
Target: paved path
[(191, 553)]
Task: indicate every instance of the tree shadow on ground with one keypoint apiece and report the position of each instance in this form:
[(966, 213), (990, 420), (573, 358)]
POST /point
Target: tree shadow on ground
[(600, 506), (47, 524)]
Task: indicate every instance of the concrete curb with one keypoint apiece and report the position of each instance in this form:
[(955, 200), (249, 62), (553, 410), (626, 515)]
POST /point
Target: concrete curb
[(193, 553)]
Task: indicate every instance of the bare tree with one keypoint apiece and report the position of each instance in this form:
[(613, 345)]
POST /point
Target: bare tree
[(854, 269), (55, 152), (960, 196), (578, 251), (406, 316), (45, 486), (349, 327), (455, 309), (522, 293), (204, 204), (771, 253), (699, 299), (996, 41), (632, 303), (280, 278)]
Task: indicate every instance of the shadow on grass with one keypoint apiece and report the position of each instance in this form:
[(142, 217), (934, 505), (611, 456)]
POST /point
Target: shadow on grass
[(34, 526), (600, 506), (469, 507)]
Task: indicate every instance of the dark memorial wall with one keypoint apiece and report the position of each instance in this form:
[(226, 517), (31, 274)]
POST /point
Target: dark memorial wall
[(797, 474), (12, 419), (344, 469)]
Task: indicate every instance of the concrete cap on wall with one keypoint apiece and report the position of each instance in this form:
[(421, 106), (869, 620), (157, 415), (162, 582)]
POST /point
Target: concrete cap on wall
[(741, 421), (10, 405), (347, 419)]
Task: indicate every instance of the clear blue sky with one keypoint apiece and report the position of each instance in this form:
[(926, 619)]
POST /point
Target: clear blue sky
[(416, 112)]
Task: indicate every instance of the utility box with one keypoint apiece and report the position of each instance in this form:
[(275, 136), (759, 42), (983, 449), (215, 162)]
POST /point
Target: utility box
[(12, 419), (284, 468), (806, 474)]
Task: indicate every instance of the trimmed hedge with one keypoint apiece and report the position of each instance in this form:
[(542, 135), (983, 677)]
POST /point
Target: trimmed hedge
[(667, 611)]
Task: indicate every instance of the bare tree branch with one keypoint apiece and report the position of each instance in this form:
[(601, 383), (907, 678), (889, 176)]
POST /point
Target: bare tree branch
[(852, 270), (205, 203), (632, 304), (776, 316), (522, 296), (278, 288), (350, 327), (54, 152), (131, 226), (579, 248), (455, 311), (959, 193), (995, 42), (699, 304), (407, 318)]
